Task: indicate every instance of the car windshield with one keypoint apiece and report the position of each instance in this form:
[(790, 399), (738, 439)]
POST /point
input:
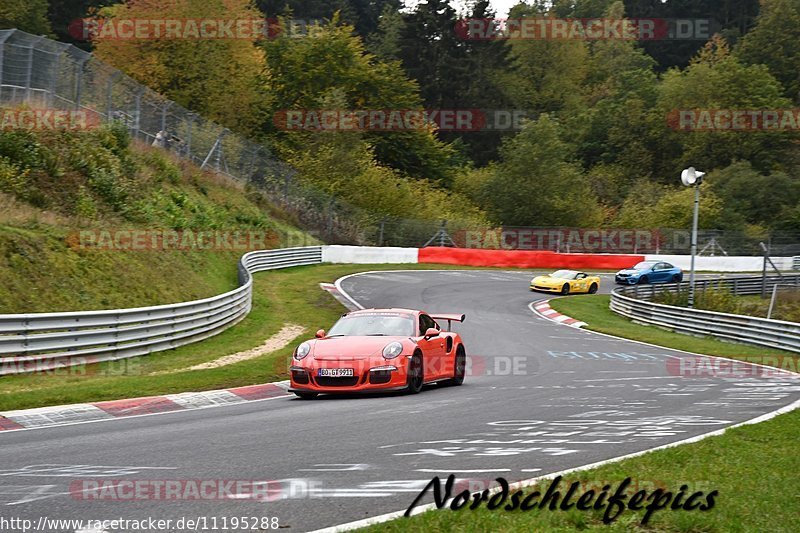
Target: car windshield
[(373, 324), (644, 265), (564, 274)]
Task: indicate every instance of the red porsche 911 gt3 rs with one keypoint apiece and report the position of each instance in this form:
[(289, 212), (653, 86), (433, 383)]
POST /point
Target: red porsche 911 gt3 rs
[(379, 350)]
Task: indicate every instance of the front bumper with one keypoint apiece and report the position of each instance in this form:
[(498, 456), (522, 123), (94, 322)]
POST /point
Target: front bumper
[(544, 288), (369, 374), (629, 280)]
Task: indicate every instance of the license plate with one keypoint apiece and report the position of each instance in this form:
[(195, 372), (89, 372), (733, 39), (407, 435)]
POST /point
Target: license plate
[(335, 372)]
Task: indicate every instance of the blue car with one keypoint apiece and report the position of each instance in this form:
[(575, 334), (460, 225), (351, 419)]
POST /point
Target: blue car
[(650, 272)]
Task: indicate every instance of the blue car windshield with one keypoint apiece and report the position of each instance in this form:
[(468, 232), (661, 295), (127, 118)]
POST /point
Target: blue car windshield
[(644, 265), (390, 325)]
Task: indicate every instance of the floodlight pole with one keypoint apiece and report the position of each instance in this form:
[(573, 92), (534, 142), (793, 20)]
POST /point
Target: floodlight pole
[(694, 241)]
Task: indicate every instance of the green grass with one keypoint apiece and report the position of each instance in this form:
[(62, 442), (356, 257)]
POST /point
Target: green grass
[(281, 296), (753, 467), (593, 309)]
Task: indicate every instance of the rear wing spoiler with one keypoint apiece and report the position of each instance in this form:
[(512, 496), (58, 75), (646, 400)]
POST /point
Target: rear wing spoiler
[(450, 317)]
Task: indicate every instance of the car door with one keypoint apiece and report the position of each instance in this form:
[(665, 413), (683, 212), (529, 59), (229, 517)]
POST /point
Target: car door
[(661, 272), (582, 282), (433, 349)]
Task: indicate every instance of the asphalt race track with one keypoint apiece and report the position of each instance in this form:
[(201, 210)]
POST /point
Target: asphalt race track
[(542, 398)]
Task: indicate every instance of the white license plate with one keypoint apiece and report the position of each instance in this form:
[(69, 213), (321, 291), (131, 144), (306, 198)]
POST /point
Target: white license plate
[(335, 372)]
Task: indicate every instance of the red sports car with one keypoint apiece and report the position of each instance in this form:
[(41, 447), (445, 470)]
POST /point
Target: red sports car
[(379, 350)]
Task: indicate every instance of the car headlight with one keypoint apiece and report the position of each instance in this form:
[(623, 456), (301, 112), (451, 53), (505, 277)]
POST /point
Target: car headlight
[(302, 351), (392, 350)]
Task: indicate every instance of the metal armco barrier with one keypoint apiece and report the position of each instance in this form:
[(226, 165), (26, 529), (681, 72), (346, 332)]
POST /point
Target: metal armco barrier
[(48, 341), (633, 302)]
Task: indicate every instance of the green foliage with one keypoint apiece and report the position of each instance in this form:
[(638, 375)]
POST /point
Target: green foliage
[(719, 299), (761, 199), (97, 175), (333, 70), (775, 42), (656, 206), (217, 78), (25, 15), (716, 79), (537, 184)]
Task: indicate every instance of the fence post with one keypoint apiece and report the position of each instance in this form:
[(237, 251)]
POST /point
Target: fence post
[(164, 115), (191, 118), (78, 90), (54, 76), (29, 73), (110, 95), (137, 113), (2, 57), (329, 223)]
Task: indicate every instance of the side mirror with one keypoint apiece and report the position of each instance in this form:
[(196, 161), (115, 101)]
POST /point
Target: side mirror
[(320, 334), (432, 332)]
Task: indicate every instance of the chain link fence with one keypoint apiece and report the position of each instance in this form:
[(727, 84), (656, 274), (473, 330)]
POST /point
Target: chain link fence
[(39, 72)]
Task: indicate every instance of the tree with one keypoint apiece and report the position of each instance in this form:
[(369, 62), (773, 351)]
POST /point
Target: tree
[(25, 15), (302, 73), (731, 19), (363, 15), (670, 207), (63, 15), (620, 88), (537, 184), (762, 199), (218, 78), (775, 42), (545, 75), (717, 80)]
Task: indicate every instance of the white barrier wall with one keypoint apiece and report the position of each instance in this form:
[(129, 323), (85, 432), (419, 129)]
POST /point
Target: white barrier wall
[(722, 263), (388, 254), (368, 254)]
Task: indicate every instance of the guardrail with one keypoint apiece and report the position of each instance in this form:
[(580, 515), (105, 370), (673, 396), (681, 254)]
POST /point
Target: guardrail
[(633, 302), (48, 341)]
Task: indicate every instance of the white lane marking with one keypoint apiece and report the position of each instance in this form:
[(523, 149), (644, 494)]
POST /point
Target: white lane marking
[(531, 470), (628, 379), (455, 470), (349, 526), (64, 470), (336, 467)]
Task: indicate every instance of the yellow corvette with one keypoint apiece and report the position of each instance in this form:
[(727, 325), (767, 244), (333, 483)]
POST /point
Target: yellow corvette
[(565, 282)]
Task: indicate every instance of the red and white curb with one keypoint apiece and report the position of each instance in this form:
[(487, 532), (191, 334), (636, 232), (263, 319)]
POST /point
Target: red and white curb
[(89, 412), (545, 311), (342, 297)]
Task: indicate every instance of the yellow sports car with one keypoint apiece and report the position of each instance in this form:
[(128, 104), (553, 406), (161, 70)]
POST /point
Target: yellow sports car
[(565, 282)]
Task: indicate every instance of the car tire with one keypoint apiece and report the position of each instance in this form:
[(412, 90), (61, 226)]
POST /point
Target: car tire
[(565, 289), (593, 288), (306, 395), (416, 374), (459, 368), (677, 278), (644, 280)]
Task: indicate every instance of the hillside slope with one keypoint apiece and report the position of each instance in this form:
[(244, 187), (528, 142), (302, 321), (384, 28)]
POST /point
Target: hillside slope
[(60, 191)]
